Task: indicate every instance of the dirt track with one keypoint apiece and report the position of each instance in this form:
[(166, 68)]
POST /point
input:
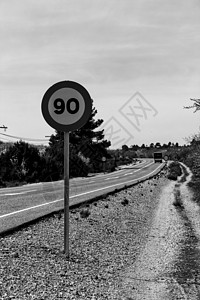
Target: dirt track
[(168, 267)]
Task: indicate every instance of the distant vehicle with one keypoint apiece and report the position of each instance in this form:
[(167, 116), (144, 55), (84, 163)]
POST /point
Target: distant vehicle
[(158, 157)]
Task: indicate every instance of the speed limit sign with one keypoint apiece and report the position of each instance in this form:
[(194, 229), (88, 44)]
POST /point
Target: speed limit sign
[(66, 106), (166, 157)]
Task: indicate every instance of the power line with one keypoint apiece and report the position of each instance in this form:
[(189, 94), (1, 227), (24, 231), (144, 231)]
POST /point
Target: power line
[(25, 139), (4, 127)]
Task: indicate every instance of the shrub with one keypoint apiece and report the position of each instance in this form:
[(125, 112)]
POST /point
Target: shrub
[(84, 213), (172, 176), (2, 183), (124, 202), (174, 170)]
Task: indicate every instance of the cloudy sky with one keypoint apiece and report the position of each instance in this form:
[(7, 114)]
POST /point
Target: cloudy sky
[(138, 59)]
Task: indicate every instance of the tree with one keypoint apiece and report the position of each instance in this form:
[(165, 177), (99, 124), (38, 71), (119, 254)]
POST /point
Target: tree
[(157, 145), (193, 139), (195, 105), (169, 144), (87, 147), (134, 147), (21, 162), (151, 145), (125, 148), (164, 146)]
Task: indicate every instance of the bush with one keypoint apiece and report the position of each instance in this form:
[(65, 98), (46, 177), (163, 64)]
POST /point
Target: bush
[(174, 170), (84, 213), (172, 176), (2, 183), (20, 162), (124, 202)]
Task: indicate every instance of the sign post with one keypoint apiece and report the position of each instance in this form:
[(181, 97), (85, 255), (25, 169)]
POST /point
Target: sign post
[(104, 163), (166, 158), (66, 193), (66, 106)]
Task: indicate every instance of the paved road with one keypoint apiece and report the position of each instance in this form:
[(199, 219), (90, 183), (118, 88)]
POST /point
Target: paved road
[(19, 205)]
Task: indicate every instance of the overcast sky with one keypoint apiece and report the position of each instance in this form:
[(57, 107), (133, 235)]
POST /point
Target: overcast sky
[(138, 59)]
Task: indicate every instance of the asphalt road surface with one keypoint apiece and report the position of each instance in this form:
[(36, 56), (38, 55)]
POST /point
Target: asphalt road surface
[(19, 205)]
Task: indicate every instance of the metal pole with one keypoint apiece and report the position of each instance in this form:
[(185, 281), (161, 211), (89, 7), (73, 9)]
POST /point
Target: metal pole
[(66, 193)]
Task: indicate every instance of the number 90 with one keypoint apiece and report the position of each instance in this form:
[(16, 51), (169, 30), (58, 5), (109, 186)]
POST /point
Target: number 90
[(72, 106)]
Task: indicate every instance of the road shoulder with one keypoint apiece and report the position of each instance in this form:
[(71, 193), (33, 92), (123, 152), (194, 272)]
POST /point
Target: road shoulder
[(103, 242)]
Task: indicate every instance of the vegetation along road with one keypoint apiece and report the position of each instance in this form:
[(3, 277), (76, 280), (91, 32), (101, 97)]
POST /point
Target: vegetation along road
[(19, 205)]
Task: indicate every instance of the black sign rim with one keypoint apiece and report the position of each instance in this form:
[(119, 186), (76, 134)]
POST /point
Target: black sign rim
[(66, 84)]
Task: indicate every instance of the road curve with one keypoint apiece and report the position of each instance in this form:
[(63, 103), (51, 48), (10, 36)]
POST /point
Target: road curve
[(19, 205)]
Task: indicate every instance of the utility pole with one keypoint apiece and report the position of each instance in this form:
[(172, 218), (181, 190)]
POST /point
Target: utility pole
[(4, 127)]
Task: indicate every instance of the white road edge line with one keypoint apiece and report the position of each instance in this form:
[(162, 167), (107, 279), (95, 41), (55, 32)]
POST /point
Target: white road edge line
[(143, 167), (111, 178), (18, 193), (57, 182), (89, 192), (96, 176), (131, 172)]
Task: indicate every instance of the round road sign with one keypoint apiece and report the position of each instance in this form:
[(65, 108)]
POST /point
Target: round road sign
[(66, 106)]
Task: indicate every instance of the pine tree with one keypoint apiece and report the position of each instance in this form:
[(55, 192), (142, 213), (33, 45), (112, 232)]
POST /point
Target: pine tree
[(87, 147)]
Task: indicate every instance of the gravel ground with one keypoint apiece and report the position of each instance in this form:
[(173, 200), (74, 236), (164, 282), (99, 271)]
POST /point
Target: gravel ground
[(102, 245)]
